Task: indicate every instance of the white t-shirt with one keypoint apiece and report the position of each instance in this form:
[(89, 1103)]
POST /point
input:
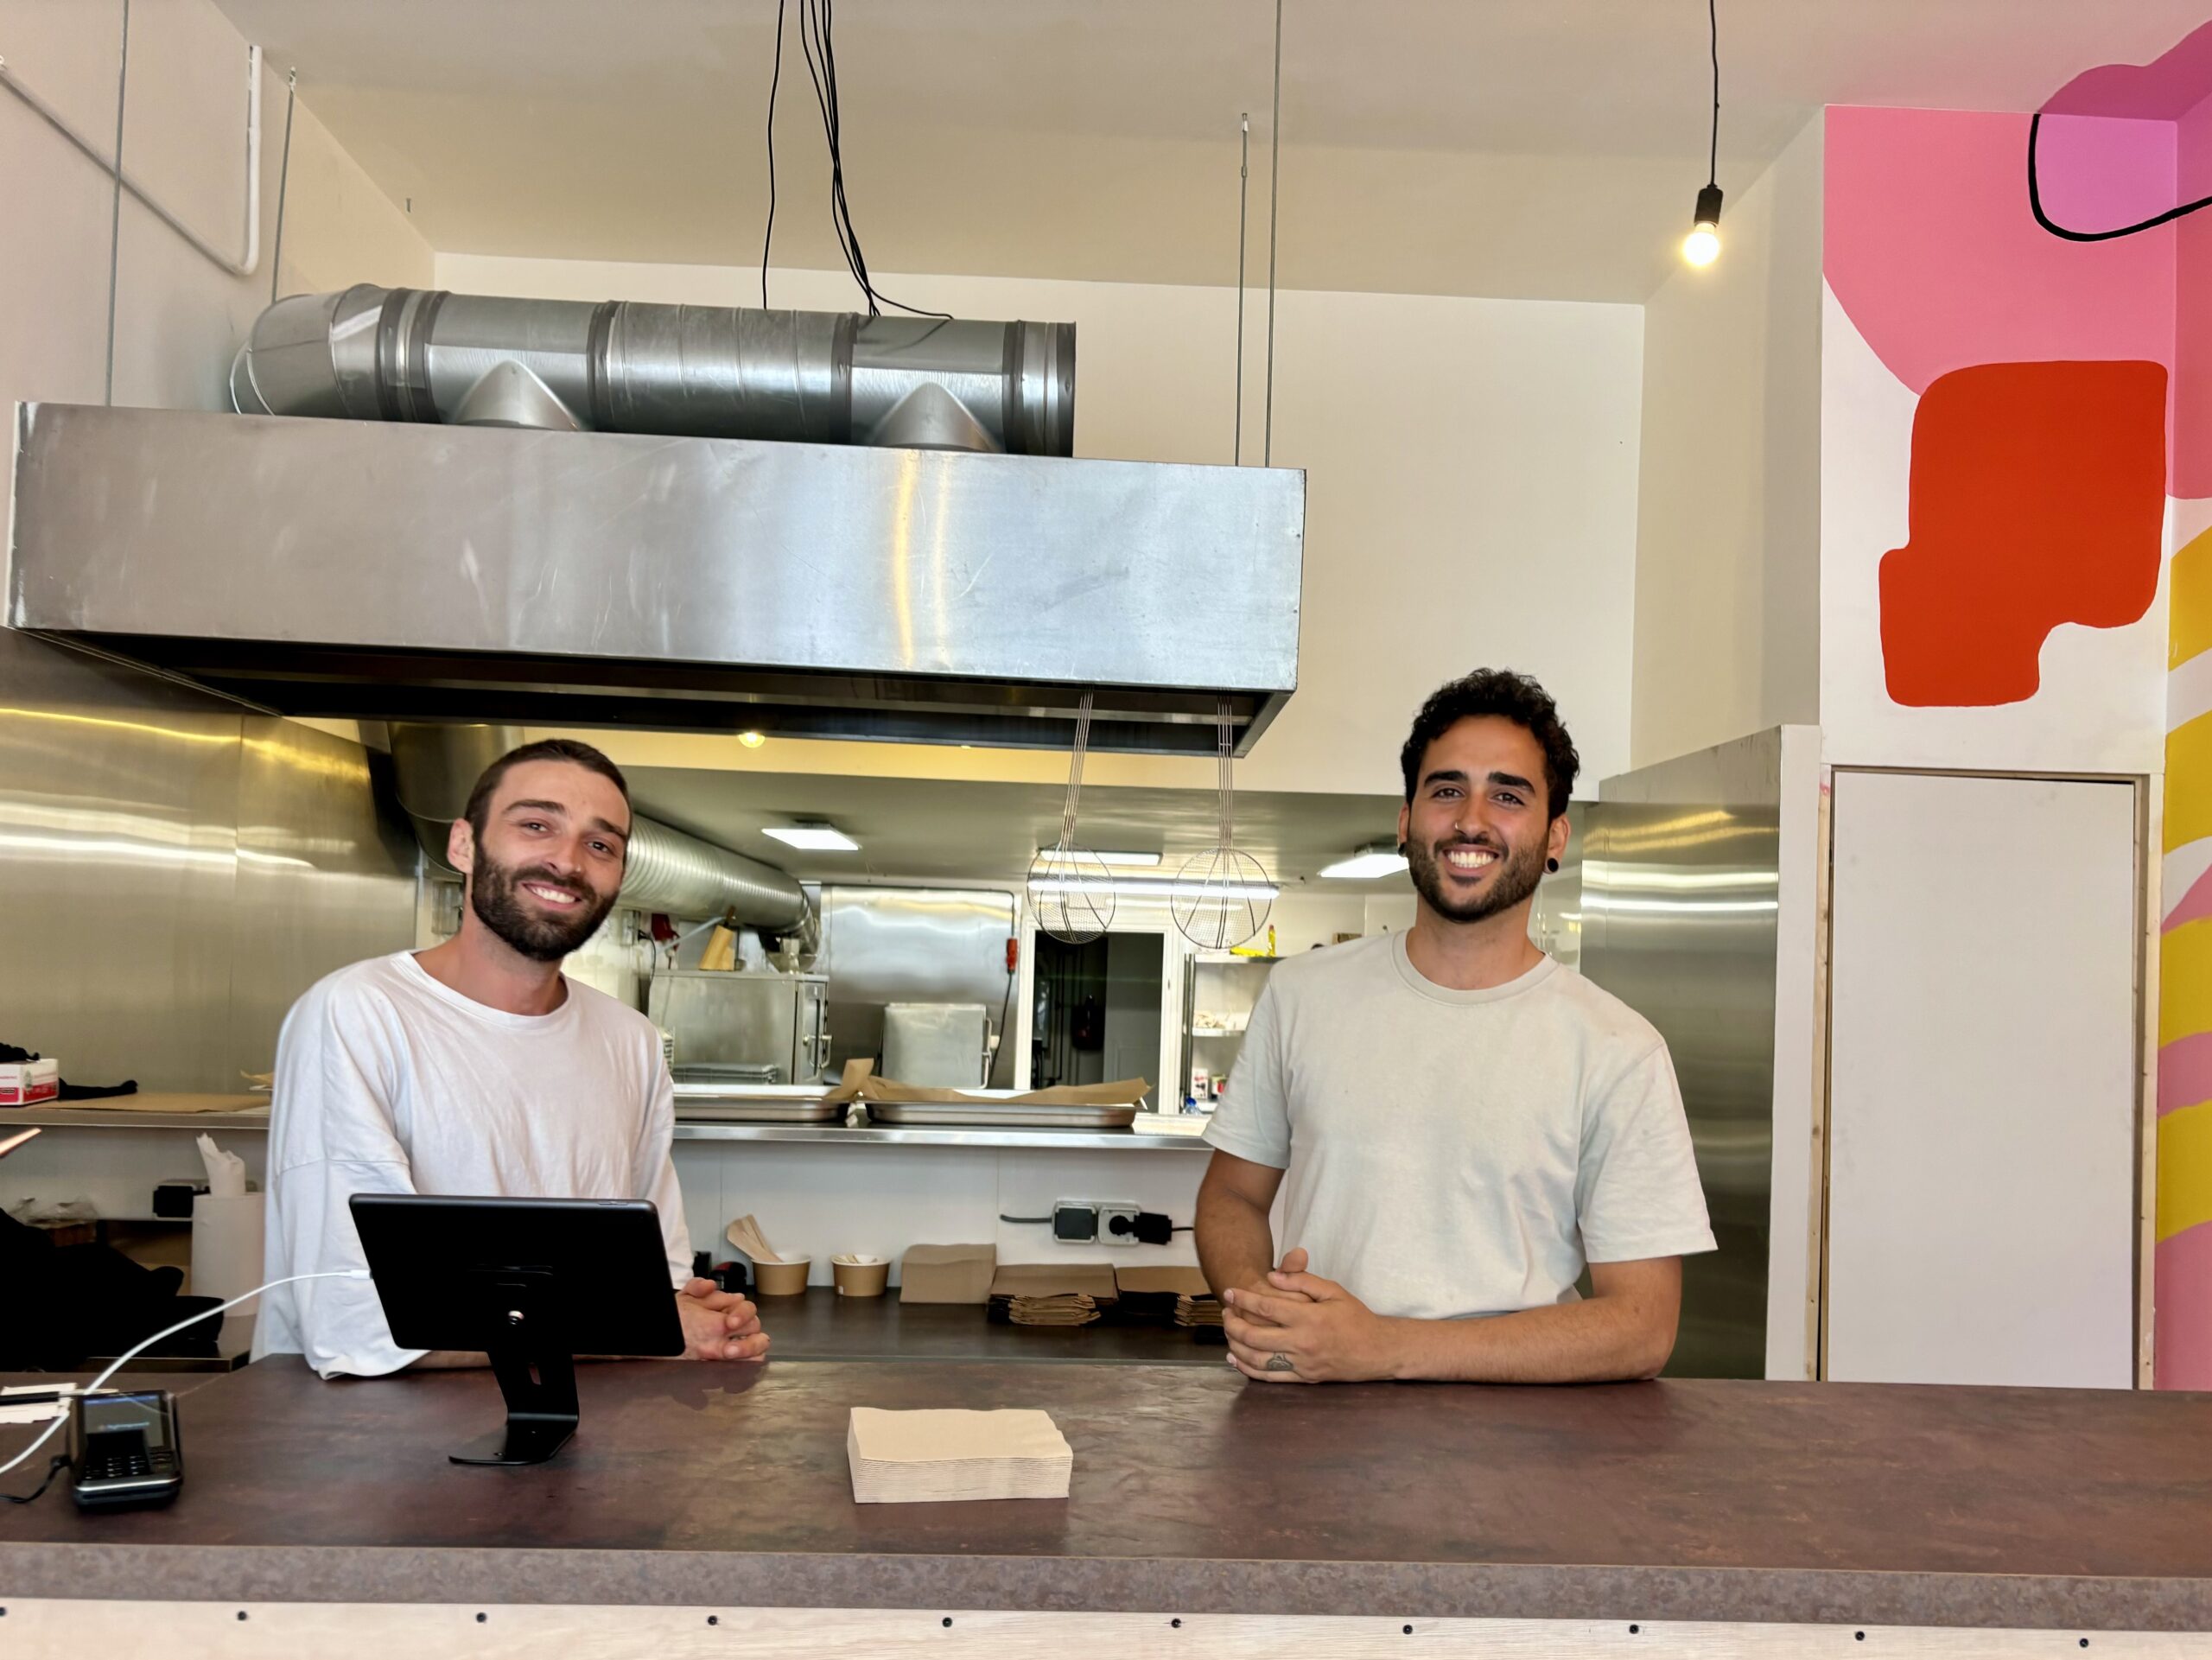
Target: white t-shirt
[(389, 1082), (1460, 1153)]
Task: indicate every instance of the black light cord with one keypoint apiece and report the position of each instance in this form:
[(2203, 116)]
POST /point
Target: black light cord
[(61, 1463), (2035, 203), (1712, 158), (816, 20), (775, 80), (1040, 1221)]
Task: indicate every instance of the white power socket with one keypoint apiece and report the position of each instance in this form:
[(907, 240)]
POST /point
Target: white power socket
[(1107, 1213)]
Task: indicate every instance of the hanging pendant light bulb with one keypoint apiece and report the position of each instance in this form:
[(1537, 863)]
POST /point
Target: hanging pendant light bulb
[(1702, 245)]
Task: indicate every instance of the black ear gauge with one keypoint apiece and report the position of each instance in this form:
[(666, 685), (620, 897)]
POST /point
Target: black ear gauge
[(1552, 865)]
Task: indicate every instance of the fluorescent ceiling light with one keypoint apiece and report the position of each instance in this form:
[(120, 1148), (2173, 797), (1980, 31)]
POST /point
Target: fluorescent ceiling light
[(1367, 863), (814, 838), (1118, 861)]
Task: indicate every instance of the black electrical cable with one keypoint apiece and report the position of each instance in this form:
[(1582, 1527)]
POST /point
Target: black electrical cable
[(817, 20), (2035, 203), (1040, 1221), (775, 80), (61, 1463), (821, 65), (1712, 155)]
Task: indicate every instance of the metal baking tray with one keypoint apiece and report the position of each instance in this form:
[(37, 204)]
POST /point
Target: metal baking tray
[(726, 1072), (754, 1104), (1020, 1114)]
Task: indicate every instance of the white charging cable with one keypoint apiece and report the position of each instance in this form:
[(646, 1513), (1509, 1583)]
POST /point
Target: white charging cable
[(139, 1348)]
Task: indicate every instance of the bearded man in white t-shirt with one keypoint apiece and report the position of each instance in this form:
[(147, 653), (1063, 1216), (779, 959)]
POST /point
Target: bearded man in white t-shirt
[(1458, 1123), (477, 1068)]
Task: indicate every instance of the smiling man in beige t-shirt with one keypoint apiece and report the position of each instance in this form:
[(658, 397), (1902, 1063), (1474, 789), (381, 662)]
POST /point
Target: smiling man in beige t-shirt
[(1462, 1123)]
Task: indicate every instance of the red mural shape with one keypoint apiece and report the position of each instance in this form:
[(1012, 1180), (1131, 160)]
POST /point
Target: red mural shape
[(2038, 499)]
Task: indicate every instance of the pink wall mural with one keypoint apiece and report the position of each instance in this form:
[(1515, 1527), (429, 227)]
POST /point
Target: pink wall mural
[(1930, 248), (2038, 499), (2039, 455), (2059, 396)]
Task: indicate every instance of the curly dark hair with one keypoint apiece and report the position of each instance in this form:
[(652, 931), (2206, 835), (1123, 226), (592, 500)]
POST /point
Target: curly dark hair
[(1496, 692), (478, 812)]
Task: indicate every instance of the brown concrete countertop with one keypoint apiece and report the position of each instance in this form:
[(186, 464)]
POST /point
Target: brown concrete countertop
[(1194, 1492)]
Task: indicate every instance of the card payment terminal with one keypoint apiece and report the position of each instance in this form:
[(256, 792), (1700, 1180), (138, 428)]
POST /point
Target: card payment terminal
[(124, 1450)]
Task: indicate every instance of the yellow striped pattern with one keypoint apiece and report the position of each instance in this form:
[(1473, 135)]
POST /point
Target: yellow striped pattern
[(2189, 783), (2185, 982), (2184, 1169), (2189, 624)]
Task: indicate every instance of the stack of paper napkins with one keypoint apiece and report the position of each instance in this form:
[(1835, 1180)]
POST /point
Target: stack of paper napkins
[(930, 1457), (1045, 1294), (1198, 1310)]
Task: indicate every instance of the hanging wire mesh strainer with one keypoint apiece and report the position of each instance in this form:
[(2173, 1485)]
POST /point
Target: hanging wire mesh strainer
[(1070, 889), (1222, 897)]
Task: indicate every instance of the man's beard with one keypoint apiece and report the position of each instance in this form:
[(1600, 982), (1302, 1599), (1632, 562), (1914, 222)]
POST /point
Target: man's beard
[(495, 896), (1518, 873)]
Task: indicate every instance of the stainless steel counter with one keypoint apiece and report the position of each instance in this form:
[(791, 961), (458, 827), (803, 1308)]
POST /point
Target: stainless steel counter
[(941, 1136), (1126, 1141)]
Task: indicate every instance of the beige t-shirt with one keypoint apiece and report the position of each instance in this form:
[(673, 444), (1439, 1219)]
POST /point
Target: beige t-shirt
[(1460, 1153)]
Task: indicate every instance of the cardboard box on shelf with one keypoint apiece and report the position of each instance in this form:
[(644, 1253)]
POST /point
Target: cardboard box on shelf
[(26, 1082)]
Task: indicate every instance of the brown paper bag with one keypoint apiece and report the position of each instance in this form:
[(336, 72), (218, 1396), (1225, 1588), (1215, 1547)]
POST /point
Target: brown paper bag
[(947, 1273)]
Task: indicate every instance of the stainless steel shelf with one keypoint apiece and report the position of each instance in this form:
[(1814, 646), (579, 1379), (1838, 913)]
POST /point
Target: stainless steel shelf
[(1126, 1140), (49, 1117)]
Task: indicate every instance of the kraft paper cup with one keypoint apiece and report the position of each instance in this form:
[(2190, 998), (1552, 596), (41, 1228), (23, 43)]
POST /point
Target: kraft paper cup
[(860, 1276), (781, 1279)]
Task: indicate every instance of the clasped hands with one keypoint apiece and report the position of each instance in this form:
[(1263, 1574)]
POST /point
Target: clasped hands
[(719, 1325), (1300, 1328)]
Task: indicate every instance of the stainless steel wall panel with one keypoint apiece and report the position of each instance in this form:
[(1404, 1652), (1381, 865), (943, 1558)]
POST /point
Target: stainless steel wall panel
[(326, 875), (149, 936), (1681, 875), (387, 570), (117, 858)]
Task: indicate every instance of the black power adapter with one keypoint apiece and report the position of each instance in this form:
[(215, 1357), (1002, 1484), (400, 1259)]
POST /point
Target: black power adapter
[(1146, 1227)]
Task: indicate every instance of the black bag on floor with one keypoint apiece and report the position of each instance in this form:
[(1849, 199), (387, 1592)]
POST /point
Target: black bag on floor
[(60, 1305)]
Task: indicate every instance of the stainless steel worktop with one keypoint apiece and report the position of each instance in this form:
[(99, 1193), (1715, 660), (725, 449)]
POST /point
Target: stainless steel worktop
[(940, 1136), (878, 1135)]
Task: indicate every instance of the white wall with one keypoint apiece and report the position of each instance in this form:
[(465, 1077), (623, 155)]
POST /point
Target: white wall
[(1471, 483), (179, 317), (1727, 580)]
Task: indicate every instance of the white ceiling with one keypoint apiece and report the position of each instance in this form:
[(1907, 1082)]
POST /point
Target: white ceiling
[(927, 829), (1514, 148)]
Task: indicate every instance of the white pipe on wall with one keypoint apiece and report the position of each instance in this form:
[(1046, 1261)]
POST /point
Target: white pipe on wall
[(247, 266)]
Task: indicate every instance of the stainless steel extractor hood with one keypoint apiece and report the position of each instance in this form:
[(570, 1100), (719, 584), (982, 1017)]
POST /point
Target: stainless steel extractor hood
[(403, 570)]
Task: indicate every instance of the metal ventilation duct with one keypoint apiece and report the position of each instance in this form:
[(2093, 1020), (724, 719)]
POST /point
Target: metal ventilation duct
[(435, 766), (370, 354)]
